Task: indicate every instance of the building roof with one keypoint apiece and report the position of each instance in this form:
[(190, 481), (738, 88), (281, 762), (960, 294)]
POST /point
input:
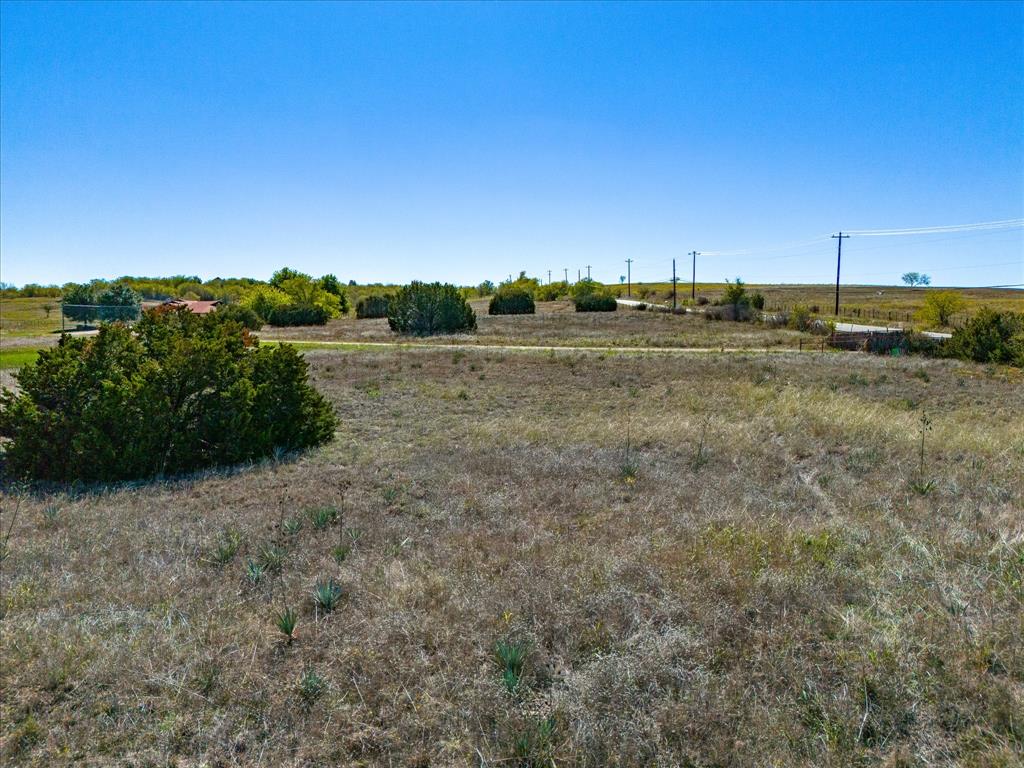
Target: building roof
[(198, 307)]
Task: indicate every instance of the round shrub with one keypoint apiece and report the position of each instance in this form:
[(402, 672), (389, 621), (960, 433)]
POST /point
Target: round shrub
[(989, 337), (183, 393), (422, 309), (512, 300), (244, 316), (799, 318), (373, 306), (595, 302)]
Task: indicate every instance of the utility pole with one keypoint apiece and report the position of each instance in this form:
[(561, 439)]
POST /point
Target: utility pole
[(629, 277), (588, 272), (693, 278), (673, 285), (839, 260), (566, 270)]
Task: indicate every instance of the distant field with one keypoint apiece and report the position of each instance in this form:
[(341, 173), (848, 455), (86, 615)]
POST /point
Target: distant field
[(22, 318), (866, 304), (706, 560)]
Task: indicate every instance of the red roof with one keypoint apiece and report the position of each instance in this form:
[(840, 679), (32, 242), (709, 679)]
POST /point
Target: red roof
[(198, 307)]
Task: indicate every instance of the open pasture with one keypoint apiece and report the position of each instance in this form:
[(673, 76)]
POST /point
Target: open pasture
[(557, 324), (549, 559), (871, 304)]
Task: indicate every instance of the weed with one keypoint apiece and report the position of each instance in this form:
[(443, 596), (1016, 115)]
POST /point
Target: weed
[(254, 572), (920, 485), (462, 395), (322, 517), (700, 457), (51, 513), (206, 678), (327, 595), (286, 621), (272, 558), (5, 536), (340, 552), (292, 526), (511, 655), (226, 549), (533, 747), (312, 686)]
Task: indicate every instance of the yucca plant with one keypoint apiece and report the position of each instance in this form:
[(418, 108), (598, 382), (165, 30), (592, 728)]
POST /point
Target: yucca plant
[(323, 517), (327, 595), (292, 526), (286, 621), (51, 513), (311, 686), (629, 472), (511, 656), (254, 571), (226, 549), (272, 558)]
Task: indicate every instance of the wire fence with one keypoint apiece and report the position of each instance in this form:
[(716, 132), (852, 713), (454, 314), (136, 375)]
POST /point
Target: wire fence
[(78, 315)]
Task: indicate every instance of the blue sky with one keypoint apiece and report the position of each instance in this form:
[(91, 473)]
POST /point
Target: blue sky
[(468, 141)]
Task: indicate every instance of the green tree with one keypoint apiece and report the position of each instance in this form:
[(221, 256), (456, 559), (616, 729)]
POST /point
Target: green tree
[(77, 303), (915, 278), (939, 308), (118, 302), (286, 273), (735, 294)]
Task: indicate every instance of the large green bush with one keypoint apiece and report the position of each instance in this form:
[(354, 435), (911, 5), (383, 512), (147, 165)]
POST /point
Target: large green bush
[(596, 302), (551, 291), (422, 309), (989, 337), (372, 307), (512, 299), (184, 393), (299, 314), (591, 296), (244, 316)]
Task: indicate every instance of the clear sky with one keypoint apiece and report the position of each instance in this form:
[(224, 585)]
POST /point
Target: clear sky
[(468, 141)]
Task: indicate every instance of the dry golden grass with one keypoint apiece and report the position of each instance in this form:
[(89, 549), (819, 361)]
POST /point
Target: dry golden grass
[(858, 303), (775, 593)]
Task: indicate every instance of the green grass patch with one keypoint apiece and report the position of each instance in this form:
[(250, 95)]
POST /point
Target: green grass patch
[(16, 358)]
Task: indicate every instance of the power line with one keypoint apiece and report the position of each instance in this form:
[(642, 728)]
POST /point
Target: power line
[(1004, 224)]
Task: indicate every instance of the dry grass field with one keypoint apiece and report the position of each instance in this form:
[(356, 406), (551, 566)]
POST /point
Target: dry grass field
[(705, 560), (558, 324), (859, 303), (28, 318)]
